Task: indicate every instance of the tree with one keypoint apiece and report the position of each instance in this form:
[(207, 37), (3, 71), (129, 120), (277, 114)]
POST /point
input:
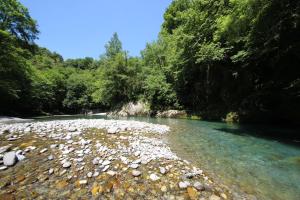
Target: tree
[(113, 47), (15, 19)]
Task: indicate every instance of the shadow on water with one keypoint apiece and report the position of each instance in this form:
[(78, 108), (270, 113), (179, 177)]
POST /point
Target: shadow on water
[(283, 135)]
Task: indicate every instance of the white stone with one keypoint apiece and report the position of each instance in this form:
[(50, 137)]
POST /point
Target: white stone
[(136, 173), (184, 184), (154, 177), (106, 162), (96, 161), (111, 173), (20, 155), (10, 158), (105, 168), (90, 174), (82, 182), (67, 164), (134, 166), (44, 150), (162, 170), (51, 157), (51, 171), (3, 168), (96, 174)]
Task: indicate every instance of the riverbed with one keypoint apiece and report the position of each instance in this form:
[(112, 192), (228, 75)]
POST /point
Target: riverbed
[(244, 158)]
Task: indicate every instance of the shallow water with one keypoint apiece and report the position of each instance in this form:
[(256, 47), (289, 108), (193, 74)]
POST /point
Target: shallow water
[(245, 158)]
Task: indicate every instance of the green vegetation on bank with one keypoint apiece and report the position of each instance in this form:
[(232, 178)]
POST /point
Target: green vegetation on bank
[(211, 58)]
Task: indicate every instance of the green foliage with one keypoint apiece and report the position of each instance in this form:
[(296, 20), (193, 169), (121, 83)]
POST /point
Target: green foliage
[(85, 63), (211, 58), (79, 90), (14, 71), (15, 18), (113, 47)]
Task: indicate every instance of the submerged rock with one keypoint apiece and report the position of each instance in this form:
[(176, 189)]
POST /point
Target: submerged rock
[(162, 170), (214, 197), (154, 177), (199, 186), (183, 184), (136, 173)]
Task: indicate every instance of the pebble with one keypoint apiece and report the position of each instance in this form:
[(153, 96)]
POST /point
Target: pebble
[(63, 172), (3, 168), (105, 168), (67, 164), (20, 155), (214, 197), (164, 188), (82, 182), (89, 175), (51, 171), (136, 173), (199, 186), (51, 157), (224, 196), (134, 166), (162, 170), (53, 146), (4, 149), (96, 174), (96, 161), (12, 139), (154, 177), (10, 158), (111, 173), (106, 162), (44, 150), (137, 153), (184, 184), (112, 130), (138, 161)]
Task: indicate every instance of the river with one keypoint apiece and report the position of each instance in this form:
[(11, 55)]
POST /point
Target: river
[(246, 158)]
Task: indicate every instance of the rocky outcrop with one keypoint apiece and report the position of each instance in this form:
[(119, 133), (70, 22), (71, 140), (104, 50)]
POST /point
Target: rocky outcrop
[(232, 117), (132, 109), (172, 114)]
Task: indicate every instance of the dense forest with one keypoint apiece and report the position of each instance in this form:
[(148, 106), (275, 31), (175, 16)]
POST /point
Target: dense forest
[(211, 58)]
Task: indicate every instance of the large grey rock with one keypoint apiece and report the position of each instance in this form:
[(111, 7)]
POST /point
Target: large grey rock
[(10, 158), (172, 113)]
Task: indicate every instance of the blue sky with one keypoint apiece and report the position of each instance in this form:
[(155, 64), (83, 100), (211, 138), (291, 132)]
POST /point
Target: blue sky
[(80, 28)]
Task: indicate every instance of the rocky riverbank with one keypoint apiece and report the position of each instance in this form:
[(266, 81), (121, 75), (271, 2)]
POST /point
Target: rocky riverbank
[(92, 159)]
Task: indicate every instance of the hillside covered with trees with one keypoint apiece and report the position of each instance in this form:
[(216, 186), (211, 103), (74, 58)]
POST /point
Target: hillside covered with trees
[(211, 58)]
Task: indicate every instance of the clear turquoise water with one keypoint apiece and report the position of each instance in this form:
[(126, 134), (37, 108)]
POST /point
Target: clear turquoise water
[(243, 157)]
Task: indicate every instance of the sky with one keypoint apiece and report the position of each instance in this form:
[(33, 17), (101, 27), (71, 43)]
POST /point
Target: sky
[(81, 28)]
